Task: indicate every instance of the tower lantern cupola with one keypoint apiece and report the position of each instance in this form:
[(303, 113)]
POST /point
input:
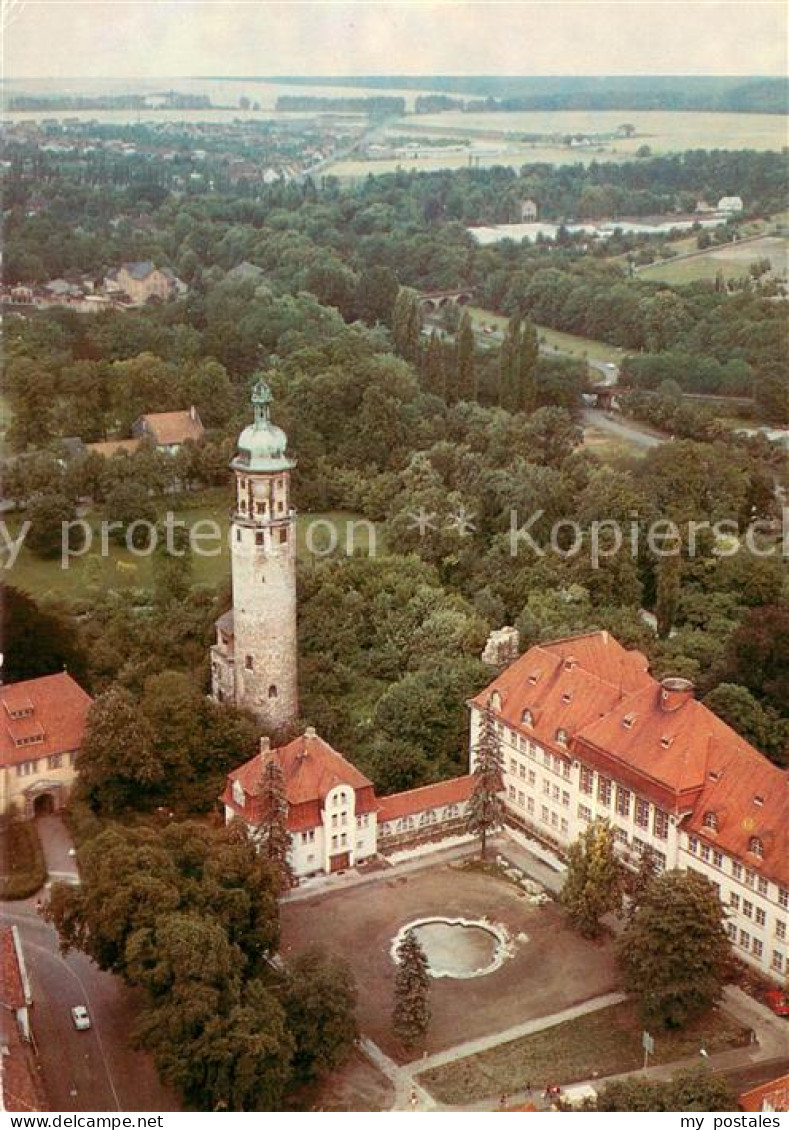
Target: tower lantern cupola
[(254, 661)]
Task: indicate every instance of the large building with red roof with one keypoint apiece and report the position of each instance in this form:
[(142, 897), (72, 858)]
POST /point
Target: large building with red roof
[(587, 734), (42, 724)]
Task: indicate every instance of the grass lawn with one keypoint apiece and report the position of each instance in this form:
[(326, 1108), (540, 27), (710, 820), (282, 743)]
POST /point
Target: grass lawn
[(731, 259), (601, 1043), (121, 569), (570, 345), (22, 867)]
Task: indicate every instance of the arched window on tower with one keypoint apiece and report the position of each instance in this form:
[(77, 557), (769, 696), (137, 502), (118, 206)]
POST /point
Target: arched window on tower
[(272, 691)]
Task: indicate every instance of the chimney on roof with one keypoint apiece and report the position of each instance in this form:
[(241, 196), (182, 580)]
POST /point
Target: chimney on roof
[(265, 746), (310, 732), (674, 693), (193, 412), (570, 662)]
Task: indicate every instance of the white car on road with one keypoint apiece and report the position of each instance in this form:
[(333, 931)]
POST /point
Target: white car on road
[(79, 1014)]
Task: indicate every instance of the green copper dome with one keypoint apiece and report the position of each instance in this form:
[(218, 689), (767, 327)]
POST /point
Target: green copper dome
[(262, 446)]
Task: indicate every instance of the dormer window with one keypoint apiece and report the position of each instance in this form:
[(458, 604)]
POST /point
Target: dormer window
[(534, 678), (666, 741), (756, 847), (711, 821), (628, 721), (561, 737), (567, 697), (758, 801), (527, 718), (714, 775)]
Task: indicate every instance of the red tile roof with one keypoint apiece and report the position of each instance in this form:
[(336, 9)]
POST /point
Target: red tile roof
[(311, 768), (53, 707), (455, 791), (13, 991), (654, 737), (775, 1094), (173, 427), (21, 1088)]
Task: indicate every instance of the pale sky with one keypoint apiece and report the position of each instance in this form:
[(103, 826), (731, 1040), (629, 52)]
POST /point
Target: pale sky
[(157, 38)]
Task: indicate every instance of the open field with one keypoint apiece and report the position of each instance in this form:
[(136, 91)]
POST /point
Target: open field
[(582, 348), (499, 137), (550, 968), (732, 260), (122, 569), (601, 1043), (664, 131)]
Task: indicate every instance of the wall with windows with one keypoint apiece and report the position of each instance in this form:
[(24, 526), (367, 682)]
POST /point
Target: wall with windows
[(420, 827), (757, 909), (38, 775), (554, 796)]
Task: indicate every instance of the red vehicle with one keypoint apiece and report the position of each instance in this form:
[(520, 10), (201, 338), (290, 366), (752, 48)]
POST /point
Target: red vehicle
[(778, 1001)]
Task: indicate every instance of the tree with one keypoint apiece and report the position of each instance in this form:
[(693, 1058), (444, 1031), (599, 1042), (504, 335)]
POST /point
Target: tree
[(172, 566), (127, 503), (526, 380), (36, 641), (762, 726), (320, 1005), (669, 588), (376, 293), (636, 882), (48, 514), (433, 366), (593, 884), (407, 324), (688, 1090), (675, 954), (411, 1013), (485, 811), (117, 759), (466, 369), (274, 837)]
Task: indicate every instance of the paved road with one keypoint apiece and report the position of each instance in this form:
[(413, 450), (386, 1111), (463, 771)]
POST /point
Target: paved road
[(621, 429), (95, 1070)]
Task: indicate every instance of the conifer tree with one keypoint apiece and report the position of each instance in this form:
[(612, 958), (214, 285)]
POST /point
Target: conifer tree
[(528, 354), (466, 369), (433, 366), (407, 324), (507, 359), (411, 1013), (273, 836), (485, 807), (669, 588), (593, 885)]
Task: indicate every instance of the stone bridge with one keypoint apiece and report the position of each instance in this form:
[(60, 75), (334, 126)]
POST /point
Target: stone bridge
[(434, 300)]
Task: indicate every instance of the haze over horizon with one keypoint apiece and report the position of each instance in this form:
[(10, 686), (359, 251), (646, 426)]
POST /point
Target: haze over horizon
[(189, 38)]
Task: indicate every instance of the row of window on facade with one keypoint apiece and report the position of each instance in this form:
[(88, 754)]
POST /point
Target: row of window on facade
[(739, 872), (361, 821), (260, 537), (527, 746), (54, 761), (424, 820), (755, 946), (625, 803)]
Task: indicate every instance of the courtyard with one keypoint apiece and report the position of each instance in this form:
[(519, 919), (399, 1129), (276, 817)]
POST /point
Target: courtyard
[(547, 968)]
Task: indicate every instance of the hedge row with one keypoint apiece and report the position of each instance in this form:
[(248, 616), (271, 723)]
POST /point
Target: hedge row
[(23, 861)]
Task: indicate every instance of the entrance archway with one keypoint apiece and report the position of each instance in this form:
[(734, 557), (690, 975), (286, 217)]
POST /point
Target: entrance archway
[(44, 805)]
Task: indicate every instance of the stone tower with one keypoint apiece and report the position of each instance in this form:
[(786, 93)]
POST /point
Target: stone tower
[(254, 662)]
